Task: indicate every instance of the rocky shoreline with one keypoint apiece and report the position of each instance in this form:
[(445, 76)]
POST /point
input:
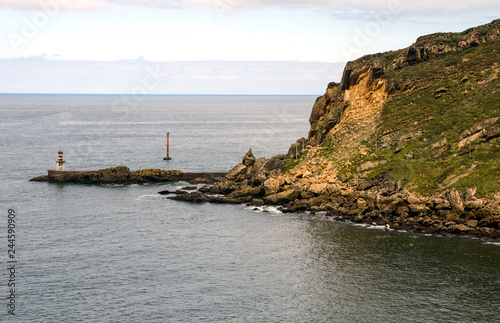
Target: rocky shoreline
[(380, 200)]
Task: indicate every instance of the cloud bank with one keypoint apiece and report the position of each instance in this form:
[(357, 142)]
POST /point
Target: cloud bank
[(40, 75), (232, 5)]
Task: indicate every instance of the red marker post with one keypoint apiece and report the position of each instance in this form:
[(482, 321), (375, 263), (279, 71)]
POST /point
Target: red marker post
[(168, 146)]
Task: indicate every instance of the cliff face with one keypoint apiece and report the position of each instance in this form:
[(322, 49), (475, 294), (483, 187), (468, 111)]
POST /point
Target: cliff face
[(348, 110)]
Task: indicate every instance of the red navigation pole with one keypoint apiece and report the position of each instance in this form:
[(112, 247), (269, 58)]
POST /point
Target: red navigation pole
[(60, 162), (168, 146)]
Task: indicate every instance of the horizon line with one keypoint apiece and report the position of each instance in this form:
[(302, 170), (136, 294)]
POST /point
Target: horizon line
[(163, 94)]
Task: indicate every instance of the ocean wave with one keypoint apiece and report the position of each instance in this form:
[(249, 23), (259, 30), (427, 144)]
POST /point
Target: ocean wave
[(265, 209)]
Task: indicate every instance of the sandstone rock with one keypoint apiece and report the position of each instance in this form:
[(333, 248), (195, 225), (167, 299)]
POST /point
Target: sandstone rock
[(274, 163), (441, 90), (419, 208), (434, 200), (472, 223), (273, 185), (416, 54), (249, 159), (346, 192), (445, 205), (365, 185), (256, 172), (368, 165), (344, 177), (281, 198), (486, 231), (393, 206), (459, 228), (303, 172), (258, 202), (191, 197), (224, 187), (361, 203), (320, 189), (477, 127), (441, 143), (475, 204), (254, 192), (413, 200), (306, 195), (237, 173), (205, 189), (455, 201), (229, 200)]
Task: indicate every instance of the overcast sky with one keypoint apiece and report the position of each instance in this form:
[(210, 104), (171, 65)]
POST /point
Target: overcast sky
[(209, 46)]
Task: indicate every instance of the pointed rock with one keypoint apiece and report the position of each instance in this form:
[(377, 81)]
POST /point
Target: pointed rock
[(249, 159)]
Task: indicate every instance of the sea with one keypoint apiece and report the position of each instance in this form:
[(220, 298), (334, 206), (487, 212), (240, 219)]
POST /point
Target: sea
[(124, 253)]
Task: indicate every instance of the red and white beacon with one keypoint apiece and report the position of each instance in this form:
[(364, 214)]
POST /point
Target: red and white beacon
[(60, 162), (168, 146)]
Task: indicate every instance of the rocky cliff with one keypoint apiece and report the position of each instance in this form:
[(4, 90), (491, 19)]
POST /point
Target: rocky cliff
[(407, 139)]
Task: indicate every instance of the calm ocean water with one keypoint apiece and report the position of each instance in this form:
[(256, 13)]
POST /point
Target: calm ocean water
[(125, 254)]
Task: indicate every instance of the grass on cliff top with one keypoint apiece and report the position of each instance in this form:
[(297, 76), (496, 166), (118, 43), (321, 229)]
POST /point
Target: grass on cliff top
[(471, 93)]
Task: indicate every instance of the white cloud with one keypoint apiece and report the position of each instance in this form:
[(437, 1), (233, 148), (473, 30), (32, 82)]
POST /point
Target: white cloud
[(230, 5), (63, 5)]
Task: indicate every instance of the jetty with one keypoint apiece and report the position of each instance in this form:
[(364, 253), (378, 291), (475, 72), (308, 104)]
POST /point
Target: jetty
[(123, 175)]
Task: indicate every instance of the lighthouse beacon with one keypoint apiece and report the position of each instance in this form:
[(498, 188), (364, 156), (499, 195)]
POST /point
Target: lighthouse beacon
[(168, 146), (60, 162)]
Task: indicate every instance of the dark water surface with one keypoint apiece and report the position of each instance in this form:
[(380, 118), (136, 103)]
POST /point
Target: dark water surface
[(125, 254)]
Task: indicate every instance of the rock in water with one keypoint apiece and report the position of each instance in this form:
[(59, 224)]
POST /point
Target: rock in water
[(249, 159)]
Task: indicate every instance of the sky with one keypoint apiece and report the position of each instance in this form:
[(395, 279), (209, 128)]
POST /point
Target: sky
[(209, 46)]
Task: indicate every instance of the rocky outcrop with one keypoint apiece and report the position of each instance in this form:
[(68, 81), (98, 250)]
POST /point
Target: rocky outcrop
[(431, 46), (349, 107), (416, 54), (296, 148)]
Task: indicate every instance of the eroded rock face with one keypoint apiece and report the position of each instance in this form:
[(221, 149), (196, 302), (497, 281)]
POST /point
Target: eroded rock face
[(249, 159), (352, 105), (427, 48), (297, 148), (237, 173), (417, 54)]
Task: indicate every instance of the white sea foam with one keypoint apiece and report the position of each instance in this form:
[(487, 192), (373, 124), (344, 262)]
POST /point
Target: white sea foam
[(148, 197), (267, 209)]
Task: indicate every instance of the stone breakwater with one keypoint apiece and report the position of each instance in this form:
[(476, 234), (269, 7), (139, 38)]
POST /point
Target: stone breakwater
[(123, 175), (380, 200)]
